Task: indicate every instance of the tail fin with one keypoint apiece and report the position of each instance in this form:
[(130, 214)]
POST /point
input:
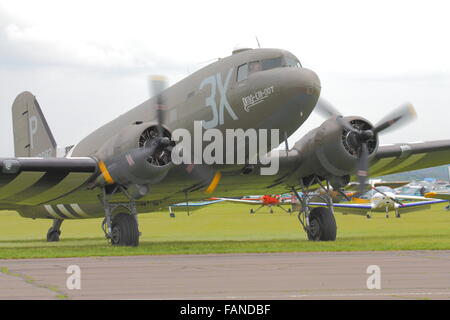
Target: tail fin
[(32, 136)]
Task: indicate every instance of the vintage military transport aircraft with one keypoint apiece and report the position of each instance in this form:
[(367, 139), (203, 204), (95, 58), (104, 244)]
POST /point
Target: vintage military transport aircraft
[(125, 167)]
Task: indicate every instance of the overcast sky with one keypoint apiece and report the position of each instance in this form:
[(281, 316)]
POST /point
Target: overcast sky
[(87, 61)]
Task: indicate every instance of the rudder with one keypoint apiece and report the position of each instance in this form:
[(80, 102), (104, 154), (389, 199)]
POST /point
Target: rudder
[(32, 135)]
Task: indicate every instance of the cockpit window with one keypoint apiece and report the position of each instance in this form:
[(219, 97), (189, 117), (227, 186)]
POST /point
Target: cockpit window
[(290, 62), (254, 66), (242, 72), (271, 63), (266, 64)]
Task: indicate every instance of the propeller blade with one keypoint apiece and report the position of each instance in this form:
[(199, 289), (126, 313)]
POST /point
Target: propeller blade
[(157, 84), (396, 119), (326, 109), (363, 166)]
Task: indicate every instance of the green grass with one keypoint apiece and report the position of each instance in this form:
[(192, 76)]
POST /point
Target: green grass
[(225, 228)]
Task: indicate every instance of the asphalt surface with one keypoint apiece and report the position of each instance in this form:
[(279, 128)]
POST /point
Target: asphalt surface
[(327, 275)]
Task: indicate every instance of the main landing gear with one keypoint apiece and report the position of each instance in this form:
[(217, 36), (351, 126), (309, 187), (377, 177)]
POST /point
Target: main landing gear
[(122, 228), (55, 231), (319, 223)]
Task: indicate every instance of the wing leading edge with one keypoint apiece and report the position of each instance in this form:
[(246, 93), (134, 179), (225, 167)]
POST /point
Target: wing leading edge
[(32, 181), (404, 157)]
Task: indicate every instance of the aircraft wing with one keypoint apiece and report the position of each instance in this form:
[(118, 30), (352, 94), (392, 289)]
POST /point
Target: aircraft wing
[(347, 208), (247, 201), (403, 157), (420, 203), (438, 195), (391, 184), (193, 205), (407, 197), (32, 181), (362, 209)]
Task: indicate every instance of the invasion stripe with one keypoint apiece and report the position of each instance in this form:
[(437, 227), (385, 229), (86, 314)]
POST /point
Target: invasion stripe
[(401, 163), (73, 212), (21, 182), (64, 211), (52, 212), (72, 183), (381, 165), (47, 181), (78, 210), (58, 212), (6, 178)]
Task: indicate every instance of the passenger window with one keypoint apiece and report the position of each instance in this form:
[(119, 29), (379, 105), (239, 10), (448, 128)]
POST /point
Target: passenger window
[(242, 72)]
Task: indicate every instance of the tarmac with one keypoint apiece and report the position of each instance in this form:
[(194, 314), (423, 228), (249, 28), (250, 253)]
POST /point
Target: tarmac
[(315, 275)]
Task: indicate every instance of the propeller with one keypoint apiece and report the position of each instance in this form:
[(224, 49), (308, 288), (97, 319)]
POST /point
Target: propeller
[(205, 174), (157, 84), (359, 138)]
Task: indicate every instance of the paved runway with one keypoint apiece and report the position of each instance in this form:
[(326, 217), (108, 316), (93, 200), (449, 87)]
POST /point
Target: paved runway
[(327, 275)]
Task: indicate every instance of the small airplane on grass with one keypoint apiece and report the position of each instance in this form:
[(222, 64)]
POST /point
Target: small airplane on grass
[(382, 199), (263, 201)]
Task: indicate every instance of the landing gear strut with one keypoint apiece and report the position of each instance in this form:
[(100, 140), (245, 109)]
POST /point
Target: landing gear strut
[(121, 229), (318, 223), (55, 231)]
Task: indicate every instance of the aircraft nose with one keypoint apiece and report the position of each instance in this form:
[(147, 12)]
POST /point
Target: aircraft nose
[(302, 80)]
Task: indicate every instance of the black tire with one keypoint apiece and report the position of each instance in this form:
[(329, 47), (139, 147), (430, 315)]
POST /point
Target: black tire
[(53, 235), (125, 230), (322, 225), (252, 211)]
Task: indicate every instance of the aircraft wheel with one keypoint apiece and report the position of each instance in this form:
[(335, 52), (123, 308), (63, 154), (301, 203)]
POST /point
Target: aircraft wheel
[(53, 235), (252, 211), (397, 215), (271, 211), (368, 216), (125, 230), (322, 225), (289, 210)]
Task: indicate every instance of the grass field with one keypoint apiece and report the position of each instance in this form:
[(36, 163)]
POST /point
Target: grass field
[(224, 228)]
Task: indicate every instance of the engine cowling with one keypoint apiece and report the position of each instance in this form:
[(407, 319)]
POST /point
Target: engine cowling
[(331, 151), (133, 157)]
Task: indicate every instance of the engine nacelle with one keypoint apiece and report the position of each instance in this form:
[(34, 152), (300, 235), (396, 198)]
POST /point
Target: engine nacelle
[(329, 151), (125, 158)]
